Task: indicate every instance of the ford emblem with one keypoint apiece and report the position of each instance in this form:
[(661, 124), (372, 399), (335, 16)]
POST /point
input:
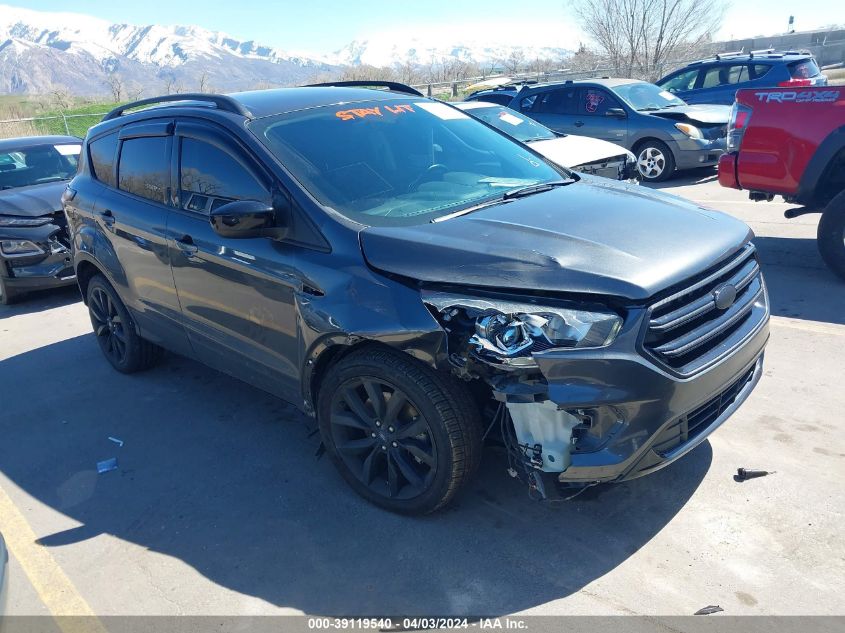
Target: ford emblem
[(724, 296)]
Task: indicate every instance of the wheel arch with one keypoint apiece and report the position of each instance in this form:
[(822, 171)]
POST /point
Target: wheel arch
[(328, 351), (824, 176)]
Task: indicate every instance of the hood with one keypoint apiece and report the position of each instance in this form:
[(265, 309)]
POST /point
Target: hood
[(707, 114), (572, 150), (587, 237), (32, 201)]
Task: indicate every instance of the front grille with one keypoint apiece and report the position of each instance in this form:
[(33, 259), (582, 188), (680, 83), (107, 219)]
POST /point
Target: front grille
[(689, 426), (687, 332)]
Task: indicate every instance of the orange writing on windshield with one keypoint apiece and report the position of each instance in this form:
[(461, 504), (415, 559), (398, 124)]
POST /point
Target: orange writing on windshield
[(360, 113)]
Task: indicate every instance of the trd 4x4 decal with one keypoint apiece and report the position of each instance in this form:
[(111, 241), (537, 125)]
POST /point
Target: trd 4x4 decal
[(796, 96)]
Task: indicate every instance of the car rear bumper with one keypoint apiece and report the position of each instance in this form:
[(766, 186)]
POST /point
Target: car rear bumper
[(727, 171)]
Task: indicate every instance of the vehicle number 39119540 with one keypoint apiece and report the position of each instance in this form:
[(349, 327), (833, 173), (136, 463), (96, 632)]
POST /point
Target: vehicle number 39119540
[(386, 624), (373, 624)]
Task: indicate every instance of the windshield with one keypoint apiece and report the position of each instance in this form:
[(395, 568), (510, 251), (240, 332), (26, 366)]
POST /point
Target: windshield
[(398, 161), (645, 97), (35, 165), (512, 123)]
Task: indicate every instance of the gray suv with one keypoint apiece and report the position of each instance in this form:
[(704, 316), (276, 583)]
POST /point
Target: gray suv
[(419, 283), (663, 132)]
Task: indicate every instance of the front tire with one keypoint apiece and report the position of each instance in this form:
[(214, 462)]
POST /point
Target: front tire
[(116, 335), (655, 161), (831, 235), (405, 437)]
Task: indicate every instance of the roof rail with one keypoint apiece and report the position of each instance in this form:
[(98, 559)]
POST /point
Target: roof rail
[(763, 51), (222, 102), (395, 86), (731, 54)]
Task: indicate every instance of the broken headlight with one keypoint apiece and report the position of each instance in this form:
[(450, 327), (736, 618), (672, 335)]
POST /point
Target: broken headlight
[(510, 332)]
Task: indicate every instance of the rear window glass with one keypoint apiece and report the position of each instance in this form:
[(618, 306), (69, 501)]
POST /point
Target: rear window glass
[(144, 168), (804, 69), (103, 152), (760, 70)]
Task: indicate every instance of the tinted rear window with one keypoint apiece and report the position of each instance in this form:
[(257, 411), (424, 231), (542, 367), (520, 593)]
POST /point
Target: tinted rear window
[(804, 69), (144, 168), (103, 152)]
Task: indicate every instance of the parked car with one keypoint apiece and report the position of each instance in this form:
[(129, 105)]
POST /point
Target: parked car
[(581, 153), (501, 95), (411, 277), (34, 247), (662, 131), (716, 80), (791, 143)]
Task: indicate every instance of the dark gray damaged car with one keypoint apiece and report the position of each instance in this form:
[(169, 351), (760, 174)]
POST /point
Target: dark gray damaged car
[(418, 282)]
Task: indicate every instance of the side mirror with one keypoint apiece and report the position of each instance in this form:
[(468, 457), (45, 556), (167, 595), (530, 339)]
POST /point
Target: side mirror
[(617, 113), (246, 218)]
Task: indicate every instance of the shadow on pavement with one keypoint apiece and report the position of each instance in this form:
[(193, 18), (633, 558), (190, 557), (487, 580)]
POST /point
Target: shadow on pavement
[(41, 300), (225, 478), (686, 177), (800, 285)]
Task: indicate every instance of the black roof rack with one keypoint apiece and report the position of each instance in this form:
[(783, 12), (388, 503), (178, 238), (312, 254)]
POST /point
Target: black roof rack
[(395, 86), (221, 102)]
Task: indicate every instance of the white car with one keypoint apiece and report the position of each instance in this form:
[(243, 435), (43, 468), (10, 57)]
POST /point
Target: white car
[(579, 153)]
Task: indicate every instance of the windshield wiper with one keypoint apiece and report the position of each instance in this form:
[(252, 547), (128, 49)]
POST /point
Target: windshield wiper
[(476, 207), (530, 190)]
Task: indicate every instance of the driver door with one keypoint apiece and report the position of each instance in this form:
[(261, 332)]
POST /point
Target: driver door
[(236, 296)]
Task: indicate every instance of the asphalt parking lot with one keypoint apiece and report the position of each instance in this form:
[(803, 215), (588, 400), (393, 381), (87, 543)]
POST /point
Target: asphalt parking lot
[(219, 505)]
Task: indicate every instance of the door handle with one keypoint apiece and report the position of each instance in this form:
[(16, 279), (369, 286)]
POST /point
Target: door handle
[(186, 245), (579, 123), (108, 218)]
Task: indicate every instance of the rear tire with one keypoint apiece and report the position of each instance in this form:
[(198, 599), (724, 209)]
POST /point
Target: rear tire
[(655, 161), (411, 458), (7, 296), (831, 235), (115, 331)]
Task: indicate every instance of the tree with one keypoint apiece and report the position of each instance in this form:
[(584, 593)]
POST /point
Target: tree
[(514, 61), (640, 37), (115, 85), (61, 97)]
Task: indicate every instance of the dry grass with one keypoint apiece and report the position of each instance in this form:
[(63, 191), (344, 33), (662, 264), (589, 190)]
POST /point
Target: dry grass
[(835, 77)]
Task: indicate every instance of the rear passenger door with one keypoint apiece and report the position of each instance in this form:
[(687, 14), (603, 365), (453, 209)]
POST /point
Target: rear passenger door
[(130, 219), (237, 296), (600, 114), (557, 109), (718, 84)]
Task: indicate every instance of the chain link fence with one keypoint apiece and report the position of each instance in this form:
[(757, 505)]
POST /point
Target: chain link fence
[(62, 124)]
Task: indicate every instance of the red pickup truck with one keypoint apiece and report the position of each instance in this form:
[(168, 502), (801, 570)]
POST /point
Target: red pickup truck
[(791, 142)]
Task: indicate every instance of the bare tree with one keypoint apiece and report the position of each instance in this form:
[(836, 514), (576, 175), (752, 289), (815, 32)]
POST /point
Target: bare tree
[(640, 37), (514, 61), (61, 97), (115, 85), (203, 87)]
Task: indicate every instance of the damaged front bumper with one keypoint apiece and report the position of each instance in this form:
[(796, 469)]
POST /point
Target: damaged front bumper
[(50, 267), (612, 414)]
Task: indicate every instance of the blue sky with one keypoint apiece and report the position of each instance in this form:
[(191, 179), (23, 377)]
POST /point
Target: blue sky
[(322, 26)]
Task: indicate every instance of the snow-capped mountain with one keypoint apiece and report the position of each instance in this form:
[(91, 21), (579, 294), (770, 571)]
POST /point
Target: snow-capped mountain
[(41, 50), (389, 51)]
